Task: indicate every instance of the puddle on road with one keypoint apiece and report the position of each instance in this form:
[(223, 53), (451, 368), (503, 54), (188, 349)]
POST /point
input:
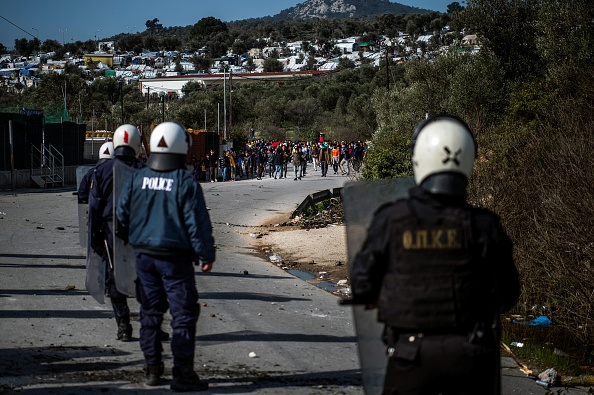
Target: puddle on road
[(310, 278), (313, 280)]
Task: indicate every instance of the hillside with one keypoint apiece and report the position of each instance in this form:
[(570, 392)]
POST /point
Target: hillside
[(346, 9)]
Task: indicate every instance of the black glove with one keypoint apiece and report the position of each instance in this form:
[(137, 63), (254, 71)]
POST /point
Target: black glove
[(98, 242)]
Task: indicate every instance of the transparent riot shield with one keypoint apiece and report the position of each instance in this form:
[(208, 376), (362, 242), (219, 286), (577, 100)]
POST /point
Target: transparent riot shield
[(95, 273), (83, 224), (80, 173), (360, 201), (124, 263), (83, 209)]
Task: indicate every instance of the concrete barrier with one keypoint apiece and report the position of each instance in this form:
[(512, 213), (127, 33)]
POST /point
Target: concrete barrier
[(316, 198)]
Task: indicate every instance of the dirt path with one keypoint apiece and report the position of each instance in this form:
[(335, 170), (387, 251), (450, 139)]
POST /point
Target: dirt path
[(319, 251)]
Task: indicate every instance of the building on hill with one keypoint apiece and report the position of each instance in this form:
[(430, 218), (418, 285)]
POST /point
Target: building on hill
[(105, 58)]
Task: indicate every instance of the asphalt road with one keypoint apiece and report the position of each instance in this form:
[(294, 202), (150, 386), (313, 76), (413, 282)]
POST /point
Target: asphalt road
[(261, 330)]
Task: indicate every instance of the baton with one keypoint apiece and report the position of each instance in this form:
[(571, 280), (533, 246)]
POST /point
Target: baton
[(108, 256)]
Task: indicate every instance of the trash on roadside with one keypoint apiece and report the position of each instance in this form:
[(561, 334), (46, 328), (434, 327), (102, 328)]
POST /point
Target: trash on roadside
[(252, 355), (517, 344), (342, 283), (343, 291), (543, 383), (538, 321), (275, 258), (549, 376)]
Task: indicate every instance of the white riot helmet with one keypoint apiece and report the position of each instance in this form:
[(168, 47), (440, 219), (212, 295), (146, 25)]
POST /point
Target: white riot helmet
[(169, 147), (127, 141), (106, 151), (443, 153)]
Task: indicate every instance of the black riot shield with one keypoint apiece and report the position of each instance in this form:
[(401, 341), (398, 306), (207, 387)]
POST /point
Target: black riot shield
[(360, 201), (95, 273), (83, 209), (124, 263)]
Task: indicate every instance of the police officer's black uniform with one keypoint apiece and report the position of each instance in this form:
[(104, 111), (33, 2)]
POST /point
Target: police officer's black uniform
[(101, 228), (440, 272)]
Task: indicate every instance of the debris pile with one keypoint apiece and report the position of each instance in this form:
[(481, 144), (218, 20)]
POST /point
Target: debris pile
[(325, 214)]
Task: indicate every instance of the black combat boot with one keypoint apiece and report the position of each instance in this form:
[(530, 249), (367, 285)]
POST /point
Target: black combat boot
[(185, 379), (124, 331), (153, 374)]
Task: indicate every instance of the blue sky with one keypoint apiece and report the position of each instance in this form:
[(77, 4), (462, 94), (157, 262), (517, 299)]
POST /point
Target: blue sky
[(72, 20)]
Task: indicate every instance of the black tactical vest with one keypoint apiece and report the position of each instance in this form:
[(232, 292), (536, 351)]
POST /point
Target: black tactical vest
[(433, 281)]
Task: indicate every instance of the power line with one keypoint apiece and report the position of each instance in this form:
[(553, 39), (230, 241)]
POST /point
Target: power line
[(18, 27)]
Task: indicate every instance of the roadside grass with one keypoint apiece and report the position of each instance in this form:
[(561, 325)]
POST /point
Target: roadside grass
[(547, 347)]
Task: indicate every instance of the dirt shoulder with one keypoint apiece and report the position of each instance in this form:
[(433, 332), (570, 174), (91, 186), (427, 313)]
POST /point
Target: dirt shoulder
[(320, 251)]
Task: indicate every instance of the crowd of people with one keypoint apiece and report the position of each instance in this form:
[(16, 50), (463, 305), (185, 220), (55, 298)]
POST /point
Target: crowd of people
[(259, 159)]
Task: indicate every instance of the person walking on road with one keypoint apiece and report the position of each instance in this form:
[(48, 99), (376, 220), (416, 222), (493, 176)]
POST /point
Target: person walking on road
[(304, 154), (163, 216), (297, 160), (127, 148), (440, 272), (213, 162), (344, 160), (324, 157), (286, 159), (335, 154), (315, 156), (278, 160), (260, 163)]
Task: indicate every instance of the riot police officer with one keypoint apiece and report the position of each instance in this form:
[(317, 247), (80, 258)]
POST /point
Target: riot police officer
[(163, 215), (127, 147), (440, 272), (105, 153)]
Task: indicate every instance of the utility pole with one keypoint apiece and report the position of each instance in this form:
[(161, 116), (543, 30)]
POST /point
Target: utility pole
[(62, 30), (387, 69), (36, 41), (224, 104), (121, 82), (230, 101), (148, 96), (93, 135)]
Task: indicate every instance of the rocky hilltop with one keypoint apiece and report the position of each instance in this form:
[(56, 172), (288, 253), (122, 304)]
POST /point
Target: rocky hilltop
[(346, 9)]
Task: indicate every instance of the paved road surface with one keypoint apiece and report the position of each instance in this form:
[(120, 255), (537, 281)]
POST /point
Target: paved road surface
[(55, 339)]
